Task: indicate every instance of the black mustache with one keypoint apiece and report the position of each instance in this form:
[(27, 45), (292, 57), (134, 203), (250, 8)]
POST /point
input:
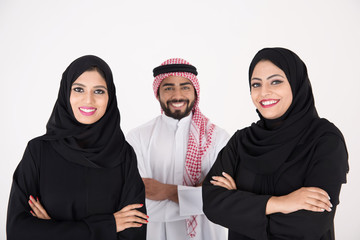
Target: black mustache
[(178, 101)]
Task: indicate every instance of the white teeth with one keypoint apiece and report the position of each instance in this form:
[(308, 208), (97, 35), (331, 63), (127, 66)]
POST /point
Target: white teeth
[(265, 103), (87, 110), (177, 104)]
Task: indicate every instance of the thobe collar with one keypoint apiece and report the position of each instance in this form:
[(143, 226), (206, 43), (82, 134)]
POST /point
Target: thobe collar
[(174, 123)]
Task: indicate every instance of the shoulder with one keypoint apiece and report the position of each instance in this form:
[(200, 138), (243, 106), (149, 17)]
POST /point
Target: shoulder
[(329, 141), (142, 133), (325, 131), (239, 134), (33, 152), (220, 134), (235, 139), (36, 144), (327, 127), (144, 127)]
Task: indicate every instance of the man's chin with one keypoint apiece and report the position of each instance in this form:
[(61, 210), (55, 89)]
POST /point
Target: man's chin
[(177, 114)]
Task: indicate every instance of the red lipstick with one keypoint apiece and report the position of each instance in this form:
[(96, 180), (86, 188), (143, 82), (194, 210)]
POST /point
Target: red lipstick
[(267, 103)]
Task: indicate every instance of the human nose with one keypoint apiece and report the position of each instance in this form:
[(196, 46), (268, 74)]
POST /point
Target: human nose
[(177, 93), (265, 90), (89, 98)]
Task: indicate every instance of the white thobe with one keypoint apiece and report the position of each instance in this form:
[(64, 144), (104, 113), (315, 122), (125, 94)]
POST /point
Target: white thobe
[(160, 146)]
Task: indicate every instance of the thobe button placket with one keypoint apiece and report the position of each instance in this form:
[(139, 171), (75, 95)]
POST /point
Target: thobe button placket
[(179, 154)]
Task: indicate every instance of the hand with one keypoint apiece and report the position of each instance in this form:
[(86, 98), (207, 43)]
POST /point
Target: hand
[(155, 190), (306, 198), (226, 181), (37, 209), (129, 217)]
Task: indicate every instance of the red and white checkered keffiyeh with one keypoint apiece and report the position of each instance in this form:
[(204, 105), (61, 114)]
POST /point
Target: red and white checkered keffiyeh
[(200, 135)]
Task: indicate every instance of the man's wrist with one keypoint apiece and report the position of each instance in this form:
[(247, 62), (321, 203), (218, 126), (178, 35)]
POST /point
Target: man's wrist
[(172, 192)]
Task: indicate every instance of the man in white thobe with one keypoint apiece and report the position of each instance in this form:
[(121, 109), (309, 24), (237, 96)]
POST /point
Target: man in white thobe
[(175, 151)]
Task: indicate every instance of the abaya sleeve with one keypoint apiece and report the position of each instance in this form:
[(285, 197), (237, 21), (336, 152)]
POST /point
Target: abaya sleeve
[(240, 211), (22, 225), (244, 212), (327, 171), (133, 193)]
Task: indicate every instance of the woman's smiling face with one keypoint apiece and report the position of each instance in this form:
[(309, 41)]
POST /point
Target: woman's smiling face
[(270, 90), (89, 97)]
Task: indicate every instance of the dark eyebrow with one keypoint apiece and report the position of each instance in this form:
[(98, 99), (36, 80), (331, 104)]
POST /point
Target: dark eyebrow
[(275, 75), (173, 84), (168, 84), (82, 85), (256, 79), (79, 84), (100, 86)]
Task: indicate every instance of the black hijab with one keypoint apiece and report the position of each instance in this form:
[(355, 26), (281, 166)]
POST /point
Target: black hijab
[(266, 145), (296, 73), (99, 145)]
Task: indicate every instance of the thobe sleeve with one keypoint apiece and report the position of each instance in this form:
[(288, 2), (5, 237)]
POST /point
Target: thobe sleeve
[(22, 225), (240, 211), (327, 170), (190, 198), (133, 193)]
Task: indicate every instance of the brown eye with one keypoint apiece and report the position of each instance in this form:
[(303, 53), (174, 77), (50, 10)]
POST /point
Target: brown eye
[(99, 91), (78, 89)]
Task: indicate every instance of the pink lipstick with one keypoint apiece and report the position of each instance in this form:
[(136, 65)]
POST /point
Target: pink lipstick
[(87, 111)]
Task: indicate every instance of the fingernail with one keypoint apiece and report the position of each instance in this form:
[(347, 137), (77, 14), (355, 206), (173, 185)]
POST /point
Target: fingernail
[(147, 216), (223, 173), (213, 177), (147, 221), (32, 212), (37, 198), (31, 197), (30, 202), (140, 224), (141, 204)]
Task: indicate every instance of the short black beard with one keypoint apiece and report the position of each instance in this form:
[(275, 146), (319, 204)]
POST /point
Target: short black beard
[(177, 114)]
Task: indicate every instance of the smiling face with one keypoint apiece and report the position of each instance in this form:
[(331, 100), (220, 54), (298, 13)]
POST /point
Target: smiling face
[(177, 96), (89, 97), (270, 90)]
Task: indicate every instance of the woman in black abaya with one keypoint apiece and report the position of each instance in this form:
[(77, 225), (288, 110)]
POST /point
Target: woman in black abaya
[(82, 170), (279, 178)]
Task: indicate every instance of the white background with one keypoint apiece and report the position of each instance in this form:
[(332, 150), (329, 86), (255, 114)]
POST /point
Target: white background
[(39, 39)]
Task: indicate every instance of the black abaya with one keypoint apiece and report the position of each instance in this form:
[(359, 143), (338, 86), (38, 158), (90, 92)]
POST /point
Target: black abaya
[(243, 210), (82, 173), (276, 157), (80, 200)]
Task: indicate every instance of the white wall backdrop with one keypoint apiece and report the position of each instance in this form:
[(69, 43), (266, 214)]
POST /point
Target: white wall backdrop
[(39, 39)]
